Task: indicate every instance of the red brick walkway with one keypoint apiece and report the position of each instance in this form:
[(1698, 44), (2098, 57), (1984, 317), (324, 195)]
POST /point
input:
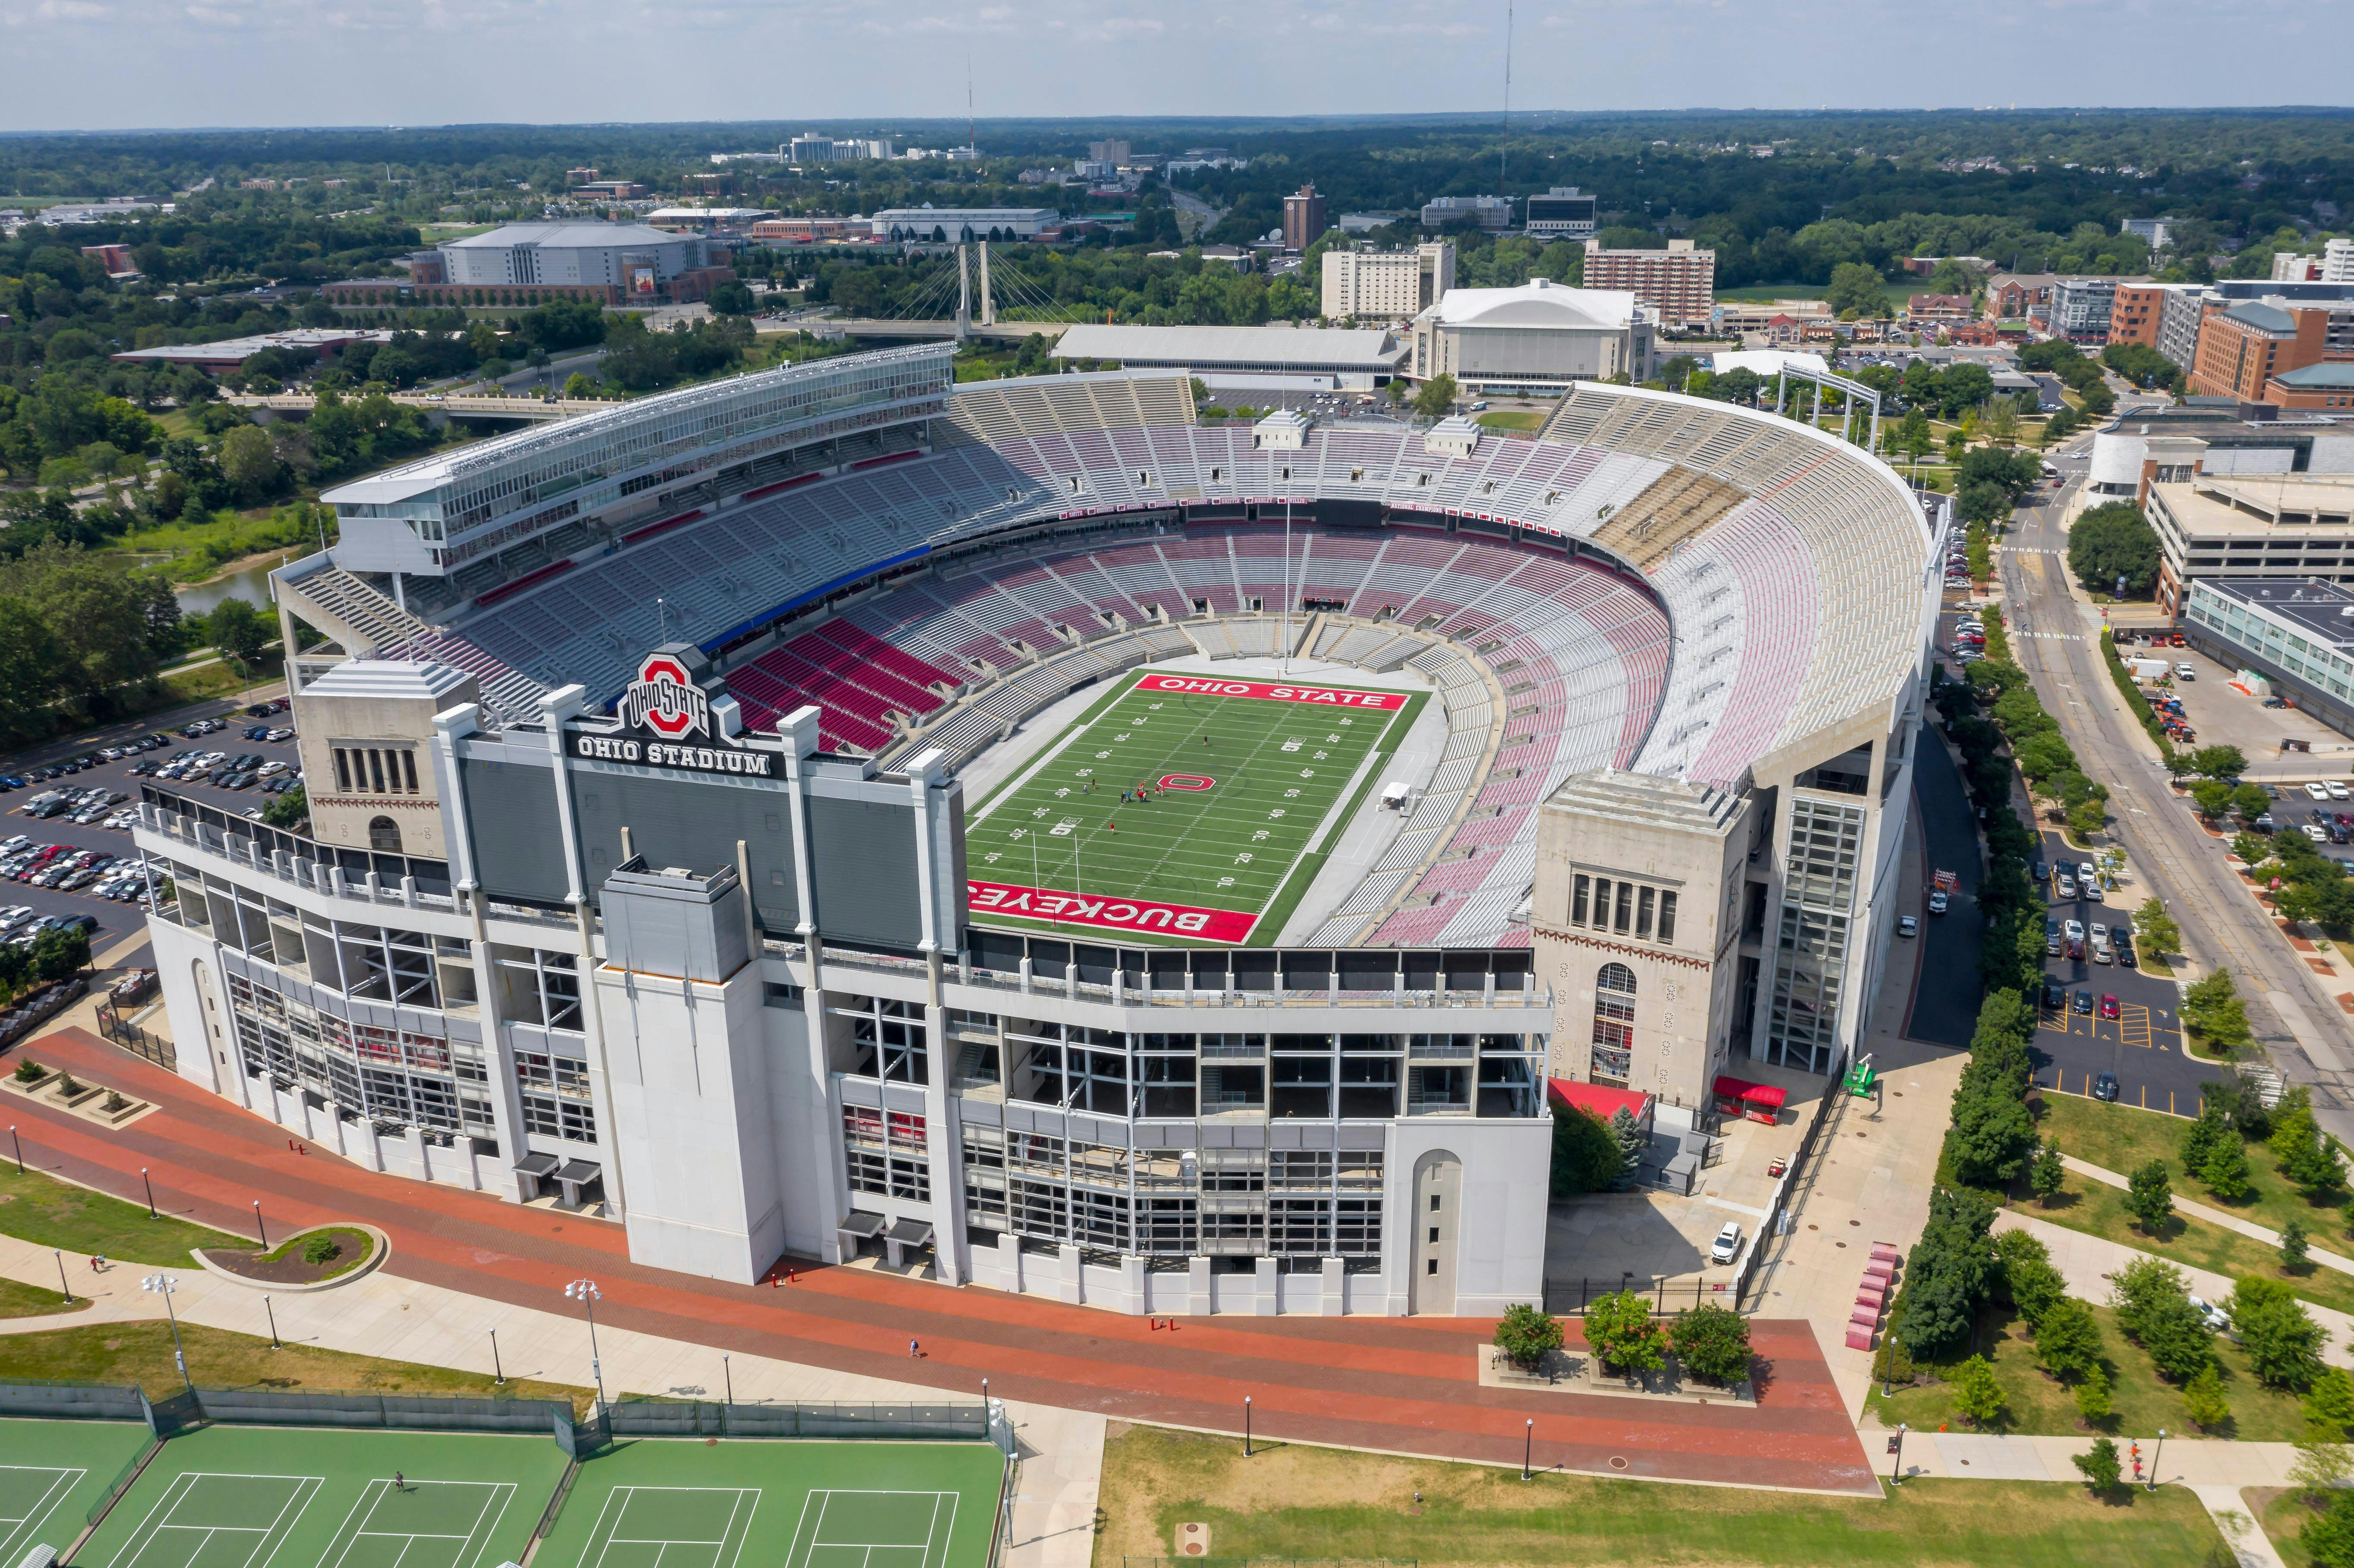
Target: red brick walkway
[(1407, 1386)]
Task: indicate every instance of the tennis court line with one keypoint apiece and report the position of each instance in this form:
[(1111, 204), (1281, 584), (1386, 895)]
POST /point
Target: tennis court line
[(10, 1544), (933, 1535), (372, 1497), (625, 1495), (184, 1484)]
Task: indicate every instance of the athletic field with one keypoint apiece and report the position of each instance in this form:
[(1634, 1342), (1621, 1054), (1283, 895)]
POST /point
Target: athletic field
[(252, 1497), (1236, 789), (674, 1502), (53, 1472)]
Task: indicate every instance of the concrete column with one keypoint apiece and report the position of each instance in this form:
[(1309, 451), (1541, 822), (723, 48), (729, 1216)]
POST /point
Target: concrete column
[(1270, 1284), (1069, 1287), (1336, 1289)]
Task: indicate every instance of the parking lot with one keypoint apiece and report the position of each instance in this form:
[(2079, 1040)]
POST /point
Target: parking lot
[(117, 920), (2143, 1045), (2223, 715)]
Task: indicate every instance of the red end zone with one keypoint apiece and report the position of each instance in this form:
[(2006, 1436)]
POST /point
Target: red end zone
[(1111, 914), (1319, 696)]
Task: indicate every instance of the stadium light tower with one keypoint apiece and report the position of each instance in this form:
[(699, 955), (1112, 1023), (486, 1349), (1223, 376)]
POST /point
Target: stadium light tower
[(163, 1285), (585, 1291)]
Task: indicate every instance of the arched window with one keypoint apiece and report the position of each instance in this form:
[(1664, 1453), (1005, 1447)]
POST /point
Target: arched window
[(1614, 1023), (384, 833)]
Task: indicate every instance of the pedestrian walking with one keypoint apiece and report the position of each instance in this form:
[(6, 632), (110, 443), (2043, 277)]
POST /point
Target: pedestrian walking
[(914, 1351)]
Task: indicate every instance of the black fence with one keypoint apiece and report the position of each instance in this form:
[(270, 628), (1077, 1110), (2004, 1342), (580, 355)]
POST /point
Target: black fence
[(1668, 1292), (135, 1040), (356, 1408), (72, 1401), (840, 1419), (1779, 1210)]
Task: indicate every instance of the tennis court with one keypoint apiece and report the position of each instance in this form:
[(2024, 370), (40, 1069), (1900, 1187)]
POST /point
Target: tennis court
[(750, 1503), (243, 1496), (53, 1472)]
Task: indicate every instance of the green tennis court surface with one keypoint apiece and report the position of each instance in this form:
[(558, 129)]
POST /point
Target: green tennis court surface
[(687, 1504), (235, 1497), (53, 1472), (1243, 784)]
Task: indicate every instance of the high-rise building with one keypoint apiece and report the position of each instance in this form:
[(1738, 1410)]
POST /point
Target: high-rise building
[(1387, 285), (1112, 153), (1492, 212), (2080, 308), (1679, 283), (2337, 261), (2137, 313), (2243, 345), (1303, 218), (1562, 213)]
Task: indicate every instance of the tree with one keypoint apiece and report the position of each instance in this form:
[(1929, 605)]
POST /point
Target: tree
[(2212, 1008), (239, 629), (2282, 1341), (2219, 761), (1711, 1342), (732, 298), (2152, 1302), (2204, 1396), (2225, 1171), (2211, 1127), (564, 323), (2047, 1175), (2251, 801), (577, 385), (1949, 1273), (2322, 1463), (2106, 543), (60, 951), (1977, 1398), (2149, 1198), (249, 462), (2329, 1540), (1632, 1143), (289, 809), (2027, 1276), (1855, 286), (2100, 1467), (2155, 929), (1585, 1158), (2296, 1143), (1527, 1335), (1437, 396), (2093, 1405), (2292, 1247), (2330, 1400), (2068, 1339), (2212, 797), (1621, 1334)]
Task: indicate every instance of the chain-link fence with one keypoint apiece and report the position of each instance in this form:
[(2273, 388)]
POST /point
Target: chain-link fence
[(947, 1420), (81, 1401)]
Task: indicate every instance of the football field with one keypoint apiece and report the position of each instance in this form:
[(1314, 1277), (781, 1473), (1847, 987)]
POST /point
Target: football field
[(1185, 807)]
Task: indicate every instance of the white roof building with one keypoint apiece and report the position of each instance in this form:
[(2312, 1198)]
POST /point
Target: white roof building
[(1362, 357), (1540, 336)]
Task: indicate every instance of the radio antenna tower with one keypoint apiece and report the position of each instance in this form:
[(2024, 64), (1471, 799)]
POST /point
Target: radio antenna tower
[(1503, 147), (972, 141)]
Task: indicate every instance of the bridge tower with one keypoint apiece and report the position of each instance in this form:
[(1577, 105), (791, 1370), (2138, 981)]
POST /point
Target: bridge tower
[(964, 293), (988, 299)]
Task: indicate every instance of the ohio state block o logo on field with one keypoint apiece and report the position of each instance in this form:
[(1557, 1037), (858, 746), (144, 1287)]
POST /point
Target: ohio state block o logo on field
[(1184, 781)]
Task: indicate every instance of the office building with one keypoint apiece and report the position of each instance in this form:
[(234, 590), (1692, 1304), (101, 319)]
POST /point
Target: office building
[(1492, 212), (2156, 232), (2293, 633), (2080, 306), (1303, 218), (1354, 358), (2180, 313), (2137, 313), (2243, 345), (1387, 285), (2226, 527), (623, 891), (1564, 212), (961, 224), (1112, 153), (1539, 338), (1928, 312), (1679, 284), (2337, 261)]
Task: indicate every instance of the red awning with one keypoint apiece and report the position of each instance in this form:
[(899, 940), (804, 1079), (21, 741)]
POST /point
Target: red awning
[(1603, 1102), (1749, 1093)]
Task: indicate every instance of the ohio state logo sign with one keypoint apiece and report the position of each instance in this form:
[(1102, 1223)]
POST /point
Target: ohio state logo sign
[(665, 700)]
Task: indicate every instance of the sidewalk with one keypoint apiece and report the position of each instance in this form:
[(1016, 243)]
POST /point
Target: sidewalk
[(381, 1314), (2212, 1216)]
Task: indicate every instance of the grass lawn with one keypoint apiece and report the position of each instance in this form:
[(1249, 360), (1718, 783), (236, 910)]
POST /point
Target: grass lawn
[(48, 1212), (1324, 1503), (21, 1300), (2122, 1139), (2041, 1406), (2283, 1511), (1251, 787), (353, 1248), (1514, 418), (2098, 1209), (141, 1353)]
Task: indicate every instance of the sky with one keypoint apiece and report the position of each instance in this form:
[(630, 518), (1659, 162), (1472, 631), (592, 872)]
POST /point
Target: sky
[(102, 64)]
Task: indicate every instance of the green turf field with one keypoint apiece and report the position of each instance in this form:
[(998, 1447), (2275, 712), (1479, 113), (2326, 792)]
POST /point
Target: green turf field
[(750, 1503), (1246, 788), (53, 1472), (253, 1497)]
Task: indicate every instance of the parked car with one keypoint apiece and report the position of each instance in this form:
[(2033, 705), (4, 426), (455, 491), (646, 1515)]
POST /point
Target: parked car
[(2124, 950), (2104, 1087), (1727, 1245), (2051, 937), (2065, 884), (2185, 672), (2083, 1003), (1937, 903), (2337, 791), (2214, 1316), (2055, 995), (2316, 791), (2108, 1004), (1907, 925)]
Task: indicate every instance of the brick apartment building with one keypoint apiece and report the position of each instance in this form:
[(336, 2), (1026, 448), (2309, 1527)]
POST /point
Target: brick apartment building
[(2010, 296), (1678, 282), (2244, 347)]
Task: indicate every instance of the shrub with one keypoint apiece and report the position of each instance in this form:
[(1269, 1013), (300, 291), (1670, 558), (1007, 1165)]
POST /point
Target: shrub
[(1584, 1156), (2330, 1538), (2283, 1344), (2047, 1175), (2094, 1404), (30, 1071), (2068, 1341), (2099, 1467), (2149, 1198), (68, 1086), (1712, 1342), (2292, 1246), (1976, 1396), (321, 1249), (1525, 1334), (2205, 1397), (115, 1102), (1621, 1334)]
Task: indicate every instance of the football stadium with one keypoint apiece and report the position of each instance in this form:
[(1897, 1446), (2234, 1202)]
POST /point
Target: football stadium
[(1020, 833)]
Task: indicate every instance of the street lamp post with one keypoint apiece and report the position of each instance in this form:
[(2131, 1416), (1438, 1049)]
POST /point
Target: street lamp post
[(259, 1229), (585, 1291), (727, 1374), (143, 1177), (163, 1285), (58, 1253), (20, 1147), (1246, 1399), (1896, 1465), (1528, 1448), (2153, 1458), (498, 1372), (266, 1307)]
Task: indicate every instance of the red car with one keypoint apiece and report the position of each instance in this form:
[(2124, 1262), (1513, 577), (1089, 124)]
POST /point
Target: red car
[(2108, 1005)]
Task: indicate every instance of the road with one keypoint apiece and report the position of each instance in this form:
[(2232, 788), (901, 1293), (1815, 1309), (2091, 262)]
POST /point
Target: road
[(2053, 638)]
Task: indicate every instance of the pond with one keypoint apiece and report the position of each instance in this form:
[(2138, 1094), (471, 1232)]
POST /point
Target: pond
[(248, 582)]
